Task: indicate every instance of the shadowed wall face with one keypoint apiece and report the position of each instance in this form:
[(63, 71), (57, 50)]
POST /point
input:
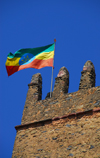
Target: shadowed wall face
[(34, 94), (88, 76), (61, 82)]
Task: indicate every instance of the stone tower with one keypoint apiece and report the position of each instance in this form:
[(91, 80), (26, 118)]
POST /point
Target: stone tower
[(65, 125)]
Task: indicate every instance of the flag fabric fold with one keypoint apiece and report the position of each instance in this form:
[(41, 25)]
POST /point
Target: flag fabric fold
[(30, 58)]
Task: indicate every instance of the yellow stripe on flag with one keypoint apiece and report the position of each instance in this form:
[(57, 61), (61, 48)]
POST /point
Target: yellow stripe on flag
[(12, 61), (45, 56)]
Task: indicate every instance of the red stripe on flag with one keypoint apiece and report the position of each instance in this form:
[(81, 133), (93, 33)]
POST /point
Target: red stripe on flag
[(11, 69)]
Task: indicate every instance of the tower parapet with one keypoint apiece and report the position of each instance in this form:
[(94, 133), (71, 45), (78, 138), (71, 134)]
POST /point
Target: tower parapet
[(88, 76)]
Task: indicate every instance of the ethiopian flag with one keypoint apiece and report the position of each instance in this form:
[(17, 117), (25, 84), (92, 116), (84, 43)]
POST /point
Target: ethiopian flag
[(30, 58)]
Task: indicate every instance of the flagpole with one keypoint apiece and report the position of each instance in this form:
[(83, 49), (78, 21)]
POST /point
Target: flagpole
[(52, 69)]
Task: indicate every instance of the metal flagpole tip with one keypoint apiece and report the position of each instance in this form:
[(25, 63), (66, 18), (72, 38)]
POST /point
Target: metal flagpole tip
[(54, 40)]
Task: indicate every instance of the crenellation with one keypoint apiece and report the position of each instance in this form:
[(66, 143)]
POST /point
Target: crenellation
[(34, 94), (87, 76), (61, 82)]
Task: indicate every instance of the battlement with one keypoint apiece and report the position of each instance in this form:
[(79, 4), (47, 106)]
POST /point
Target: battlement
[(61, 101), (44, 121)]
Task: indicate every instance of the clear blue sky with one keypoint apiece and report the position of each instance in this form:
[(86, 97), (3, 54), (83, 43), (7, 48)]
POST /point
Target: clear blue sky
[(33, 23)]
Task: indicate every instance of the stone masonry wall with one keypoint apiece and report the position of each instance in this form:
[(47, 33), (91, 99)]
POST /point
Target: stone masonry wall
[(65, 138), (81, 100)]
